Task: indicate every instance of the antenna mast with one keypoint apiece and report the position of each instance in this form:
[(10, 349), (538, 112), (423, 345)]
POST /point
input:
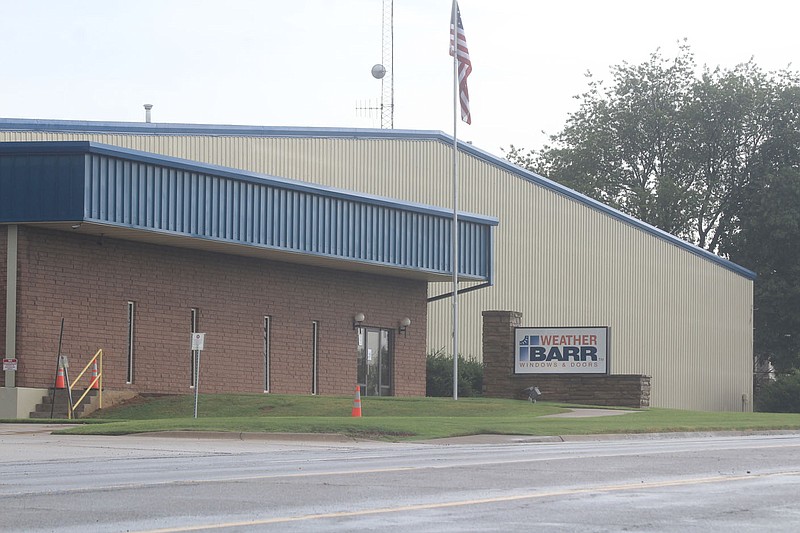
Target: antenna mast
[(384, 71), (387, 82)]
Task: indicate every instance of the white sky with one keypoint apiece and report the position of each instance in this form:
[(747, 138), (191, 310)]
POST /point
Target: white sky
[(307, 62)]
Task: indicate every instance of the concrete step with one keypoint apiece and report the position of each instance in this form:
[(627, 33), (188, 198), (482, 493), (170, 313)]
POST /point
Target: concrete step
[(61, 407)]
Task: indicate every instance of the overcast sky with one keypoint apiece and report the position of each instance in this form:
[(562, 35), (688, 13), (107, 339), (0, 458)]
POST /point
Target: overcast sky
[(307, 62)]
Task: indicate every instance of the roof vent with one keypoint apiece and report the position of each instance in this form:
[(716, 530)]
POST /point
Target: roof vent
[(147, 108)]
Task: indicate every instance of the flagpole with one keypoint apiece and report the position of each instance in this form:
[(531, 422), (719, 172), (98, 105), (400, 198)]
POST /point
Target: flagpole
[(454, 18)]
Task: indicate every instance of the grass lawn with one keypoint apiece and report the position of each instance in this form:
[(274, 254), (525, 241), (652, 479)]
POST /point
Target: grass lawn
[(401, 418)]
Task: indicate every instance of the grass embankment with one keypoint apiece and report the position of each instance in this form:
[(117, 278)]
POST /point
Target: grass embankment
[(402, 418)]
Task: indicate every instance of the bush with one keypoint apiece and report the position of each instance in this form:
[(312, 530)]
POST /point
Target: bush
[(440, 375), (781, 395)]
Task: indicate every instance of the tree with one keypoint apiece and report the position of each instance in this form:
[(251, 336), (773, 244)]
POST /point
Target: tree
[(711, 158), (666, 146), (768, 242)]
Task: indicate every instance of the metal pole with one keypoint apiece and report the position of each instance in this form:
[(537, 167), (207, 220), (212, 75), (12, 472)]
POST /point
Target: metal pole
[(58, 364), (454, 18), (196, 379), (69, 391)]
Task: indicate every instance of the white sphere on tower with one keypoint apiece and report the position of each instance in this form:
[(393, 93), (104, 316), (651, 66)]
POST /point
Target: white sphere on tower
[(378, 71)]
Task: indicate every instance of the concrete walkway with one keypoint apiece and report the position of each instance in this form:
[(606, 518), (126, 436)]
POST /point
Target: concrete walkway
[(589, 413)]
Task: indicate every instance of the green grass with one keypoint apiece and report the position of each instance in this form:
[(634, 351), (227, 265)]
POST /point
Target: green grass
[(402, 418), (272, 405)]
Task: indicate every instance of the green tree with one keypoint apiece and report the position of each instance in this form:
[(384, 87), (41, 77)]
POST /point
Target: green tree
[(709, 155), (666, 146), (767, 241)]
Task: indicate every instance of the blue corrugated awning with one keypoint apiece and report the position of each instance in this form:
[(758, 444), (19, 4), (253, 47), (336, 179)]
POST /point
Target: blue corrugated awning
[(143, 196)]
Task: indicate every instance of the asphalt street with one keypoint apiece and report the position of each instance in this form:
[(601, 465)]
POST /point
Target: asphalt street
[(147, 483)]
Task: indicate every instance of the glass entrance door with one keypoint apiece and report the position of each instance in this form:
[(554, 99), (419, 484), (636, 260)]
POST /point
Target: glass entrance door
[(374, 362)]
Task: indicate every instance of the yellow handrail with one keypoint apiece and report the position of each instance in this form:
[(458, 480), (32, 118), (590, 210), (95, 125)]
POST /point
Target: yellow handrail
[(94, 380)]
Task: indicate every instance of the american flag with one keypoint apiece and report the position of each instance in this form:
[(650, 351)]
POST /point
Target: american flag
[(464, 64)]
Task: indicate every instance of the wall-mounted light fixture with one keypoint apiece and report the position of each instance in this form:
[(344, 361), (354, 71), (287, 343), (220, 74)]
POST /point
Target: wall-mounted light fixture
[(358, 320), (404, 325)]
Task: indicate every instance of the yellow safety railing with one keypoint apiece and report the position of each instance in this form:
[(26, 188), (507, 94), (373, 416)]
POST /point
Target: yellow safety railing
[(95, 362)]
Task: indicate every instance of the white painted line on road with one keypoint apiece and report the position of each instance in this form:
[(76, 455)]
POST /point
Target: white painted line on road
[(481, 501)]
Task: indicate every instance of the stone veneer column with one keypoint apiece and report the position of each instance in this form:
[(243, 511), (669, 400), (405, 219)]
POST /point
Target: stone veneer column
[(498, 352)]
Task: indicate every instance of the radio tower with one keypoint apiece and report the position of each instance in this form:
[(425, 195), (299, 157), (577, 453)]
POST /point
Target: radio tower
[(385, 71)]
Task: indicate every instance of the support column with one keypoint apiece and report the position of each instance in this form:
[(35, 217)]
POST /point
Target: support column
[(11, 303), (498, 352)]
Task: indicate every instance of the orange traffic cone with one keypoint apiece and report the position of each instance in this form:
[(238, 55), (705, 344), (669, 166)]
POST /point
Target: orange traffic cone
[(94, 383), (357, 402), (60, 381)]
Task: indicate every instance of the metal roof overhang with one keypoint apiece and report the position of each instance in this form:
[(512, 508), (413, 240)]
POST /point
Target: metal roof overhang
[(102, 190), (146, 128)]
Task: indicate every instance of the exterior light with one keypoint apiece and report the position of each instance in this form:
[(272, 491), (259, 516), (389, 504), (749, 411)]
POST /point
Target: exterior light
[(358, 320), (404, 325)]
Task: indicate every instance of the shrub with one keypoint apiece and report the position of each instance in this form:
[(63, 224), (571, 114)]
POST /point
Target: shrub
[(440, 375), (781, 395)]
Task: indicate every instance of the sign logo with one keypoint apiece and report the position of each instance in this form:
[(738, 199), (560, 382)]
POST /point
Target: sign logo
[(580, 350)]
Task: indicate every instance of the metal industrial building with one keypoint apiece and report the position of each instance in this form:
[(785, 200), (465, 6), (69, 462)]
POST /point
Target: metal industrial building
[(676, 313)]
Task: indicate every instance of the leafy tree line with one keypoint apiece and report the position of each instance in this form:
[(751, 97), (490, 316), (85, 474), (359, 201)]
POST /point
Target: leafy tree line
[(711, 155)]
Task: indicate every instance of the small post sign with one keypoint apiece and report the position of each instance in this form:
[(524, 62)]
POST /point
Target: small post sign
[(198, 340), (198, 343), (10, 365)]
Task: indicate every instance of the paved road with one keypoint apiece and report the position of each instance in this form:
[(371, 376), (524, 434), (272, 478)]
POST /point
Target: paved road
[(67, 483)]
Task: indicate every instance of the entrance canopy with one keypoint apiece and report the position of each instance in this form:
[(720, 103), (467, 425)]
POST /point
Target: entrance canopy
[(93, 188)]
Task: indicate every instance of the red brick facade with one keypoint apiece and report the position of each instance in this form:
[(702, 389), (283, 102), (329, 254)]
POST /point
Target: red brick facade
[(89, 281)]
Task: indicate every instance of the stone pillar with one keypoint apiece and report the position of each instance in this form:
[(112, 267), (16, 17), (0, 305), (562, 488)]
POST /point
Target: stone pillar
[(498, 352)]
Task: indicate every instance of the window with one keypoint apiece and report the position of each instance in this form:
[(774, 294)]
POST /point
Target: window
[(192, 354), (314, 356), (131, 318), (267, 324)]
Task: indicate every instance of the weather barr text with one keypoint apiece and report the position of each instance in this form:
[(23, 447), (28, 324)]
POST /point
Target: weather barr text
[(558, 348), (561, 350)]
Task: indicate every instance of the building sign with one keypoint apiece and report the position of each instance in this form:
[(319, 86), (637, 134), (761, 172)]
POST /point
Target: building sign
[(198, 341), (561, 350)]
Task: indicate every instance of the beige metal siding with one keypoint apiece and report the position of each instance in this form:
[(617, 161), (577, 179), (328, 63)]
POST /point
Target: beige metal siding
[(677, 317)]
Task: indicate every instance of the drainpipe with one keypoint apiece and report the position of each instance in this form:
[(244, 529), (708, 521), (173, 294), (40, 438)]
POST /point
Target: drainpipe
[(11, 303)]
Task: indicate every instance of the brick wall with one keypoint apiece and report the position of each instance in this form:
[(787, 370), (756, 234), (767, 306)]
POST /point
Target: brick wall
[(500, 381), (90, 281)]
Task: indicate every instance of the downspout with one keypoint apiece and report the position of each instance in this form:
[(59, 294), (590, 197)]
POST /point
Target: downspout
[(11, 303), (460, 291), (489, 274)]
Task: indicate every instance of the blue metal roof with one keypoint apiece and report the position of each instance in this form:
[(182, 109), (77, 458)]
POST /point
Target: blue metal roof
[(145, 128), (81, 181)]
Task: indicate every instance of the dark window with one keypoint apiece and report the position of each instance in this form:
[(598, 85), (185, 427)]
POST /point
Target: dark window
[(193, 354), (131, 319)]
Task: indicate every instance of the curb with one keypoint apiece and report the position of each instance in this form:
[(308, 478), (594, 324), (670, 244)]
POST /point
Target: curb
[(233, 435), (533, 439)]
